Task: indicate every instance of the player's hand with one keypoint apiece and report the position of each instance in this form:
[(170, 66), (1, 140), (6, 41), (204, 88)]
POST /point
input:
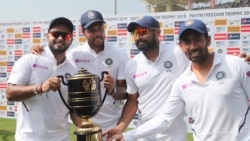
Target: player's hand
[(113, 135), (36, 49), (109, 83), (245, 56), (51, 84)]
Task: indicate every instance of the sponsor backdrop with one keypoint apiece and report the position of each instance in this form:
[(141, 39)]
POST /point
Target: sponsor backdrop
[(229, 29)]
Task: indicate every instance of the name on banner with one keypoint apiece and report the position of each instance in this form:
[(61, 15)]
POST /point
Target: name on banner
[(181, 16)]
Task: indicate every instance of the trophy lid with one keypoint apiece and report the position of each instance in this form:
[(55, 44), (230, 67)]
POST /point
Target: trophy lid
[(83, 73)]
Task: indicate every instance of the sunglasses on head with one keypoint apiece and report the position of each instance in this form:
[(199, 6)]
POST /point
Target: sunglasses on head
[(141, 31), (56, 34)]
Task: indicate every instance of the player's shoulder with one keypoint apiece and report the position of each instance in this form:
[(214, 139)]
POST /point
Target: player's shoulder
[(232, 59), (76, 49), (30, 57)]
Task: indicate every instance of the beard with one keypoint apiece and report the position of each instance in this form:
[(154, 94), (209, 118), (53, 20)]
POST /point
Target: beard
[(58, 49), (96, 42), (145, 45), (198, 55)]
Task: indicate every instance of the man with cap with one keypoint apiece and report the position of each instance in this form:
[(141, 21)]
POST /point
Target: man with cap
[(214, 90), (33, 82), (96, 55), (149, 77)]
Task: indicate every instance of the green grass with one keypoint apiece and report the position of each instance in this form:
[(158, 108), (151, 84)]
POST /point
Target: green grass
[(7, 130)]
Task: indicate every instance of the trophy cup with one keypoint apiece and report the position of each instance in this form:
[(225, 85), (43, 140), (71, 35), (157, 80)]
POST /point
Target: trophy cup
[(84, 95)]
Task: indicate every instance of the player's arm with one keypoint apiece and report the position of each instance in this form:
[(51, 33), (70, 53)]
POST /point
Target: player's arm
[(76, 120), (173, 108), (22, 92), (128, 112), (119, 92)]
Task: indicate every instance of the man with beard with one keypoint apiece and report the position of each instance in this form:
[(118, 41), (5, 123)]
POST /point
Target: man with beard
[(214, 90), (96, 55), (149, 77), (41, 115)]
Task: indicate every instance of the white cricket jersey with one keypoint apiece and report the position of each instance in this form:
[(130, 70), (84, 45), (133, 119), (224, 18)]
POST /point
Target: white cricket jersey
[(112, 59), (153, 81), (219, 107), (44, 118)]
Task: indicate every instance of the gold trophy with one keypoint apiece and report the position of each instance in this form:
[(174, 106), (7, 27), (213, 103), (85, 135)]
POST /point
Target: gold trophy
[(85, 101)]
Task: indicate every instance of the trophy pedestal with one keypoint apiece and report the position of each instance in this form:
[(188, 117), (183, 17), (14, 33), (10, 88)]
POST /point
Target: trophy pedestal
[(88, 131)]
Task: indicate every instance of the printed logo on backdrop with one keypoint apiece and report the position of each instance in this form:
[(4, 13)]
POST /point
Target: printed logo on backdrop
[(221, 29), (18, 41), (233, 29), (220, 51), (219, 44), (246, 50), (220, 22), (168, 38), (178, 23), (246, 43), (233, 50), (234, 43), (235, 36), (246, 36), (220, 36), (245, 21), (10, 114), (10, 103), (234, 22), (112, 39), (122, 26), (245, 28), (134, 52)]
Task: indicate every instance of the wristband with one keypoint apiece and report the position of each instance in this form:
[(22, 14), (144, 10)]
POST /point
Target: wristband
[(35, 90)]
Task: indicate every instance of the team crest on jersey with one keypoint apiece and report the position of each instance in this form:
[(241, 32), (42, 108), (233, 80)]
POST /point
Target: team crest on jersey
[(168, 64), (109, 61), (220, 75)]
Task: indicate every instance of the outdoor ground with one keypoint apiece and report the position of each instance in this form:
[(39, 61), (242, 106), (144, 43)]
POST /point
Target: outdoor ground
[(7, 130)]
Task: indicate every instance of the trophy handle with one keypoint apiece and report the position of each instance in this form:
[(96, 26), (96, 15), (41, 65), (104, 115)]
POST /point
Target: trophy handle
[(102, 76), (60, 93), (64, 102), (106, 91), (61, 77)]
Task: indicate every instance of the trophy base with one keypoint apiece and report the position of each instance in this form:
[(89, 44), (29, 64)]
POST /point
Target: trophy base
[(88, 131), (89, 137)]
